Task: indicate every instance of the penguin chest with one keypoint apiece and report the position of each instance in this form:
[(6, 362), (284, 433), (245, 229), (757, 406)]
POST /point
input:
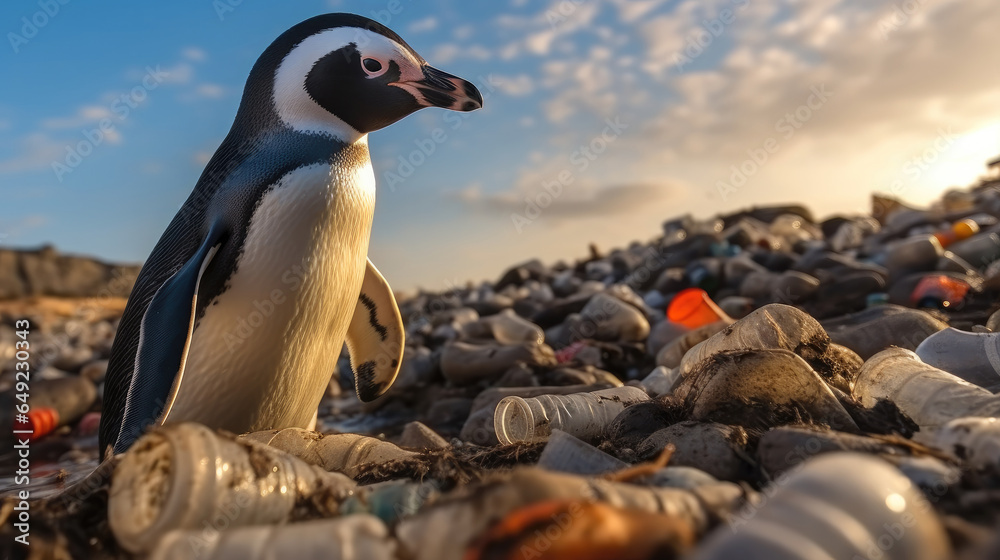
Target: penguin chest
[(264, 351)]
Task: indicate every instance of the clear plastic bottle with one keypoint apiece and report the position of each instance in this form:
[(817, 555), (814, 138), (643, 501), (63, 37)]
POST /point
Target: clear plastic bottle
[(343, 453), (926, 394), (583, 415), (975, 357)]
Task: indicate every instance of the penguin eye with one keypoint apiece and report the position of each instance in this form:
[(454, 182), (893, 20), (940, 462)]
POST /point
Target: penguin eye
[(372, 67)]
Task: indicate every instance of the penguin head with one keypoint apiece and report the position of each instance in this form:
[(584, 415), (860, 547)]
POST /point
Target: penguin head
[(346, 75)]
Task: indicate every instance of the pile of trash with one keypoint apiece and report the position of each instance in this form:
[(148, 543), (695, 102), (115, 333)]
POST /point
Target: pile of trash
[(756, 385)]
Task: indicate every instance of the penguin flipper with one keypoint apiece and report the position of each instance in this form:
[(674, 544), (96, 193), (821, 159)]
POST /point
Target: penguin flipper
[(164, 339), (375, 337)]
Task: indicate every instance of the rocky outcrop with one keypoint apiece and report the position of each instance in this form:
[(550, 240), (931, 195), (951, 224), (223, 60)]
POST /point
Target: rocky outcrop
[(45, 272)]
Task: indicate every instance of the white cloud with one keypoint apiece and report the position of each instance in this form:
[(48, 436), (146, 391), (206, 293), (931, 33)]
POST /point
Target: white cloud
[(450, 52), (424, 25), (463, 32), (180, 73), (560, 19), (515, 86), (194, 53), (212, 91), (86, 115), (38, 151), (202, 157), (632, 10)]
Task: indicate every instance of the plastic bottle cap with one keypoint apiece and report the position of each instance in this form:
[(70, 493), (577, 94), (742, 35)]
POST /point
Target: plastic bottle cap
[(693, 308), (514, 421), (946, 238), (42, 421), (965, 228)]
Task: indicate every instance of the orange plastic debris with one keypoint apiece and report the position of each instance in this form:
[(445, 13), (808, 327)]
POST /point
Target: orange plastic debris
[(694, 308)]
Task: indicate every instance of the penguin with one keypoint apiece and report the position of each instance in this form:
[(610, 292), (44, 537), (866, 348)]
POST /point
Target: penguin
[(239, 315)]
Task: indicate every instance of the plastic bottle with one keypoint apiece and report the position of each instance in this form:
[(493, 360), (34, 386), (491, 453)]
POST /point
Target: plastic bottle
[(978, 250), (962, 229), (974, 357), (913, 254), (838, 506), (661, 380), (354, 537), (343, 453), (392, 500), (53, 403), (773, 326), (565, 453), (671, 355), (583, 415), (185, 476), (505, 327), (464, 364), (974, 439), (929, 396), (938, 291), (479, 427), (870, 331)]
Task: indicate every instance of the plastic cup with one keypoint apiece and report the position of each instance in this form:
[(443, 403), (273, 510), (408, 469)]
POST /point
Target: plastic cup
[(693, 308)]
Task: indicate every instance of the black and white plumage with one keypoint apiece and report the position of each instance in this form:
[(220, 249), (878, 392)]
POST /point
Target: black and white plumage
[(239, 313)]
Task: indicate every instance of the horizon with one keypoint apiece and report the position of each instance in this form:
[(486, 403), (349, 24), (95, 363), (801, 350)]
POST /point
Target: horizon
[(619, 114)]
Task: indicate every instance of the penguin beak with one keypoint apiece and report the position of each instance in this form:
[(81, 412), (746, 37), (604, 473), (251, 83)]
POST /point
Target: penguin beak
[(441, 89)]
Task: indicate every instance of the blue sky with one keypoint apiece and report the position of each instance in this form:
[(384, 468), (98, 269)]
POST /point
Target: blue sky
[(630, 111)]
